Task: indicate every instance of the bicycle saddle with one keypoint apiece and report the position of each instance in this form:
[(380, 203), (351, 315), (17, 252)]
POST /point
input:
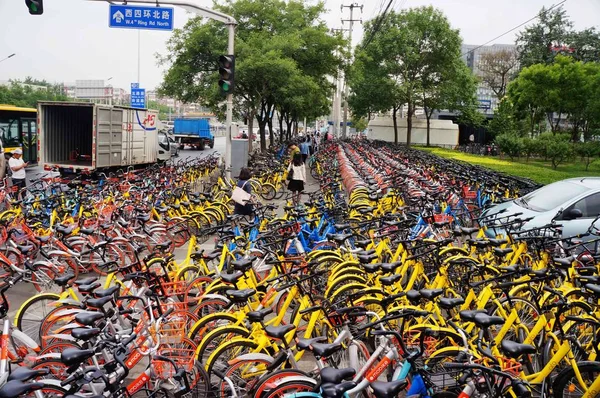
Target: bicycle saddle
[(279, 332), (390, 389), (25, 374), (413, 296), (63, 280), (65, 230), (86, 281), (240, 296), (84, 334), (89, 288), (469, 315), (24, 249), (512, 349), (451, 302), (231, 277), (362, 243), (143, 217), (390, 267), (16, 388), (502, 252), (304, 344), (364, 259), (75, 356), (593, 288), (335, 376), (430, 294), (244, 264), (259, 315), (87, 231), (88, 318), (371, 268), (337, 390), (390, 280), (106, 292), (485, 321), (98, 303)]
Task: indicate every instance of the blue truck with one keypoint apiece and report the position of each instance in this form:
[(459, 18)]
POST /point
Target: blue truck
[(193, 132)]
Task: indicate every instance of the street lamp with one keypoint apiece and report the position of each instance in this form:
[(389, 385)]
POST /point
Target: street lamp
[(10, 56)]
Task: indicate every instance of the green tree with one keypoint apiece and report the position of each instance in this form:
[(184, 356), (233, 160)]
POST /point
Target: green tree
[(278, 43), (20, 94), (536, 43), (504, 120), (530, 147), (413, 48), (510, 144), (360, 124)]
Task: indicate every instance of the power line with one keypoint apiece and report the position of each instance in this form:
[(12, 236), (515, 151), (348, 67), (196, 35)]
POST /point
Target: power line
[(378, 24), (515, 28)]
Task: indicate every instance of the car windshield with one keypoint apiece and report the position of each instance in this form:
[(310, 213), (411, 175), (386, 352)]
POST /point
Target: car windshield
[(551, 196)]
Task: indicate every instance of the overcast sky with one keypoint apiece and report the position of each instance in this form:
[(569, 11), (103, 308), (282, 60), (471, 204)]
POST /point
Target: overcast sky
[(72, 40)]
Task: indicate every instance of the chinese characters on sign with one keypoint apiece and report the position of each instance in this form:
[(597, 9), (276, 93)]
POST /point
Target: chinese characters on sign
[(138, 97), (136, 17)]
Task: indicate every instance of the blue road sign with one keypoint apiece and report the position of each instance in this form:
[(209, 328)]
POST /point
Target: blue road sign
[(485, 104), (138, 98), (139, 17)]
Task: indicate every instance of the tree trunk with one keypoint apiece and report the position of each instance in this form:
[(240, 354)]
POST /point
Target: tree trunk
[(395, 119), (428, 117), (409, 123), (271, 134), (262, 127), (288, 124), (281, 131), (251, 129), (295, 129)]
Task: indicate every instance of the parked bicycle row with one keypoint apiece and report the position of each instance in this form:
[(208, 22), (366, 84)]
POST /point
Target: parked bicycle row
[(364, 285)]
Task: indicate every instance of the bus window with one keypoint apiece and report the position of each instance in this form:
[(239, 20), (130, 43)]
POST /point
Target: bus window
[(9, 132)]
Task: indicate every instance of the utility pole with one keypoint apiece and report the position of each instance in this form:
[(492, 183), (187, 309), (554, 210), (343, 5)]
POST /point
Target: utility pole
[(336, 105), (346, 88)]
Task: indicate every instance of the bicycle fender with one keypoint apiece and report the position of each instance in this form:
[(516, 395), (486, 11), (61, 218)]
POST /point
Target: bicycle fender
[(20, 310), (50, 382), (68, 327), (52, 355), (441, 329), (298, 378), (69, 301), (252, 357), (61, 252), (453, 249), (28, 341), (443, 351), (343, 265), (206, 318), (215, 296), (67, 337)]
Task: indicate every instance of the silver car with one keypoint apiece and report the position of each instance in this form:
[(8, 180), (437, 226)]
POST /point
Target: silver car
[(574, 203)]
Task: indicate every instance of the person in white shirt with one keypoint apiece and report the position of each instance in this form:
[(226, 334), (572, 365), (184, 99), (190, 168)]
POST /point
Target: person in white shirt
[(298, 179), (17, 165)]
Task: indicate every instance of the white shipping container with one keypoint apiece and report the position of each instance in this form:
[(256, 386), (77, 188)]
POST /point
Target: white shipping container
[(84, 136)]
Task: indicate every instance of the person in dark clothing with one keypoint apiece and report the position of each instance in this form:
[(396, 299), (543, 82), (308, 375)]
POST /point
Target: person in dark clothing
[(243, 182)]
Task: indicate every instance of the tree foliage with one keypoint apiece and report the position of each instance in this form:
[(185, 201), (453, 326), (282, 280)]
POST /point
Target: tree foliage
[(284, 56), (412, 61), (20, 93)]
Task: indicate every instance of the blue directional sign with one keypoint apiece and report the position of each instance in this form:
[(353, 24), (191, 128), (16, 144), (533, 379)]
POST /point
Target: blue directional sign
[(138, 98), (139, 17), (485, 104)]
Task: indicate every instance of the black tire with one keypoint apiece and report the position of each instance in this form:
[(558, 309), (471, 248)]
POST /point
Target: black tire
[(212, 144), (202, 145), (566, 379), (290, 387)]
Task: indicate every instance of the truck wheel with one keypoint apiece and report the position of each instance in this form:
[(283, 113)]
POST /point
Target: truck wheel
[(201, 146), (182, 146), (212, 144)]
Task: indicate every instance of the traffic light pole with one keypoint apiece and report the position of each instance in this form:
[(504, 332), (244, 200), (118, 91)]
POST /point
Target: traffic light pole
[(192, 5)]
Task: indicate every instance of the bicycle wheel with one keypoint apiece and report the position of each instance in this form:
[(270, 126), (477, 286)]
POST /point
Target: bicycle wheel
[(245, 376), (268, 192), (48, 391), (214, 339), (226, 352), (291, 386), (567, 385), (31, 314)]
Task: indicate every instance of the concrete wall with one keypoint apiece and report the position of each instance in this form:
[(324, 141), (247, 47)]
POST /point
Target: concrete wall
[(443, 132)]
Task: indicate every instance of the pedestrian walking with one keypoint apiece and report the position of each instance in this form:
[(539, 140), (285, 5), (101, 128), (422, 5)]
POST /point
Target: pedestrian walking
[(304, 149), (17, 166), (293, 150), (243, 183), (298, 171), (311, 144)]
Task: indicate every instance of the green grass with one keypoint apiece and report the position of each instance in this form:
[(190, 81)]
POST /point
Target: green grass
[(537, 170)]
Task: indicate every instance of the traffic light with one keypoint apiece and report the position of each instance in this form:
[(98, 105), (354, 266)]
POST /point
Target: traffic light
[(227, 74), (36, 7)]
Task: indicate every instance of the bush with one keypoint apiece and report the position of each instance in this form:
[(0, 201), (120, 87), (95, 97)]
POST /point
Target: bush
[(530, 147), (510, 144), (588, 151), (558, 149)]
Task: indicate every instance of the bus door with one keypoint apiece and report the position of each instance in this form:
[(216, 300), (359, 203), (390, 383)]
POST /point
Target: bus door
[(29, 140)]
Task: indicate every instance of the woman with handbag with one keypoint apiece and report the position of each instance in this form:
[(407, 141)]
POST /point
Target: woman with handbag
[(244, 208), (297, 177)]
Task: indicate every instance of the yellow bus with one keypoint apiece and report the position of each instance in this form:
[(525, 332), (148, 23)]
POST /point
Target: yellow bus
[(18, 129)]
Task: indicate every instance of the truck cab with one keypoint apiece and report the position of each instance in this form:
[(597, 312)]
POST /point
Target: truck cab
[(164, 147)]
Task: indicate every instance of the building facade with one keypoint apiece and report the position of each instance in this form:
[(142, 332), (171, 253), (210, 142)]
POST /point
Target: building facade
[(472, 54)]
